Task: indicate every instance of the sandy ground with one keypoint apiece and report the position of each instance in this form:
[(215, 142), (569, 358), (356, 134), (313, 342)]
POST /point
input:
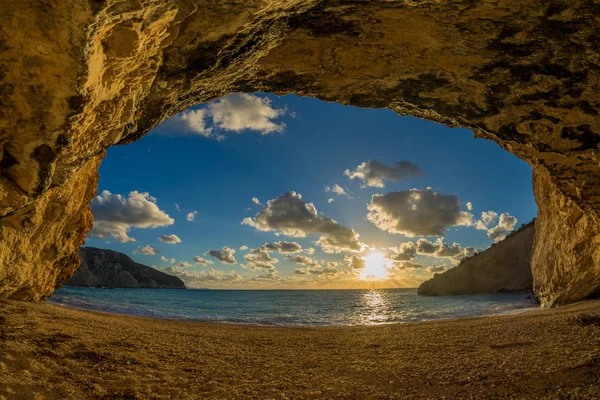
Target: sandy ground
[(52, 352)]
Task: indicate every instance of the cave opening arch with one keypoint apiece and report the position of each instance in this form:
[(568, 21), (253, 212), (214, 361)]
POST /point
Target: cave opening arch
[(108, 72)]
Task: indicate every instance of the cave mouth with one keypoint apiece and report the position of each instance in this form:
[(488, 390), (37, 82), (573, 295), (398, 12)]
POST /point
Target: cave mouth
[(221, 196)]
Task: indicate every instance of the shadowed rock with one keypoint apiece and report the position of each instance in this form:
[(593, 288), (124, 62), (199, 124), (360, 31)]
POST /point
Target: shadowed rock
[(112, 269), (504, 267)]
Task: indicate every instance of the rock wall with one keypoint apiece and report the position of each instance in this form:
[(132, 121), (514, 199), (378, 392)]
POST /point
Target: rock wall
[(504, 267), (77, 77), (112, 269)]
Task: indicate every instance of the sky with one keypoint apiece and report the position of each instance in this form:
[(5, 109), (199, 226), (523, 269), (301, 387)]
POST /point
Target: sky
[(256, 191)]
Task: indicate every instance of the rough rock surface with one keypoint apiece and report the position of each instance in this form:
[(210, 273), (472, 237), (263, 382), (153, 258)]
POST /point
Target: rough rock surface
[(504, 267), (100, 267), (77, 77)]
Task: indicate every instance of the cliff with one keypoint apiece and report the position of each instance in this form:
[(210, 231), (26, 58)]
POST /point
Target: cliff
[(504, 267), (109, 268), (77, 77)]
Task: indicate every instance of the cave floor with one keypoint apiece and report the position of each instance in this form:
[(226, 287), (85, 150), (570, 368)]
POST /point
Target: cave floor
[(52, 352)]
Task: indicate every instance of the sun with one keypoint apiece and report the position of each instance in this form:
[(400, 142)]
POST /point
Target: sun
[(375, 267)]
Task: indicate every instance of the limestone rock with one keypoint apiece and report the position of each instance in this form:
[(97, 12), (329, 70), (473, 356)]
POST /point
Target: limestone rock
[(112, 269), (504, 267), (79, 76)]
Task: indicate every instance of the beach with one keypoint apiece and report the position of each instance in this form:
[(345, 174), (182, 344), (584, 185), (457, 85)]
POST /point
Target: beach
[(55, 352)]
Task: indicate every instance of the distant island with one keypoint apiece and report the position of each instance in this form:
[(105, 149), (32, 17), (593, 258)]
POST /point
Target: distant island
[(503, 267), (111, 269)]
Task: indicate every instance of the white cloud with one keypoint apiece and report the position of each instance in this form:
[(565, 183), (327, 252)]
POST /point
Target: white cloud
[(170, 239), (202, 261), (330, 200), (469, 206), (303, 260), (210, 275), (235, 112), (256, 201), (115, 215), (290, 215), (506, 224), (184, 264), (373, 173), (172, 260), (259, 260), (354, 262), (417, 212), (147, 250), (403, 252), (434, 269), (439, 249), (225, 255), (191, 216), (244, 247), (488, 217), (337, 189), (309, 250), (281, 246), (164, 259)]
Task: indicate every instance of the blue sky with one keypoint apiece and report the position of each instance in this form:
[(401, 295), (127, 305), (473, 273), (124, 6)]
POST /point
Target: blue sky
[(213, 160)]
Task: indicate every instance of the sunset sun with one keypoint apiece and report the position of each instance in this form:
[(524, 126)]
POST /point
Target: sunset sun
[(375, 267)]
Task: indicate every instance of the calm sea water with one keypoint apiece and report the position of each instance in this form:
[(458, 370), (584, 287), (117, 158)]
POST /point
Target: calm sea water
[(291, 307)]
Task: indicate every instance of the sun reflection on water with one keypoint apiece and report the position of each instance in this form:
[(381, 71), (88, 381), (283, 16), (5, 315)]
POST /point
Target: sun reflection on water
[(375, 307)]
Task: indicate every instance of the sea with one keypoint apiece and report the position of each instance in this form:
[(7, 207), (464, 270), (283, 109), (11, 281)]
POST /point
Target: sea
[(291, 307)]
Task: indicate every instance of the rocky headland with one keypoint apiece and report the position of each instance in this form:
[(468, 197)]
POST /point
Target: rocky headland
[(503, 267), (107, 268)]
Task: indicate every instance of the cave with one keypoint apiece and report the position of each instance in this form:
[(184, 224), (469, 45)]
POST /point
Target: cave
[(79, 77)]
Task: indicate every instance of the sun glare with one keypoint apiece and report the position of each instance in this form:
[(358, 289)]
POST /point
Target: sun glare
[(375, 267)]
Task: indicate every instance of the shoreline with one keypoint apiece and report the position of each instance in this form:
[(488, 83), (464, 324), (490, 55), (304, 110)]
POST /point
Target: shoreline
[(287, 317), (516, 311), (53, 352)]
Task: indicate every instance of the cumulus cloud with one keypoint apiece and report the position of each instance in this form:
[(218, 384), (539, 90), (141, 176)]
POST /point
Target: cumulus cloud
[(170, 239), (184, 264), (301, 271), (288, 214), (417, 212), (256, 201), (439, 249), (506, 224), (469, 206), (259, 259), (191, 216), (373, 173), (330, 200), (115, 215), (281, 246), (147, 250), (202, 261), (488, 217), (225, 255), (354, 262), (434, 269), (309, 251), (337, 189), (403, 252), (407, 266), (236, 112), (243, 247), (303, 260), (210, 275), (164, 259)]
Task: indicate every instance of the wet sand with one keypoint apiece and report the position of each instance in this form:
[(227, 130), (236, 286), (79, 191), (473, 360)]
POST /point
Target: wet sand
[(53, 352)]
